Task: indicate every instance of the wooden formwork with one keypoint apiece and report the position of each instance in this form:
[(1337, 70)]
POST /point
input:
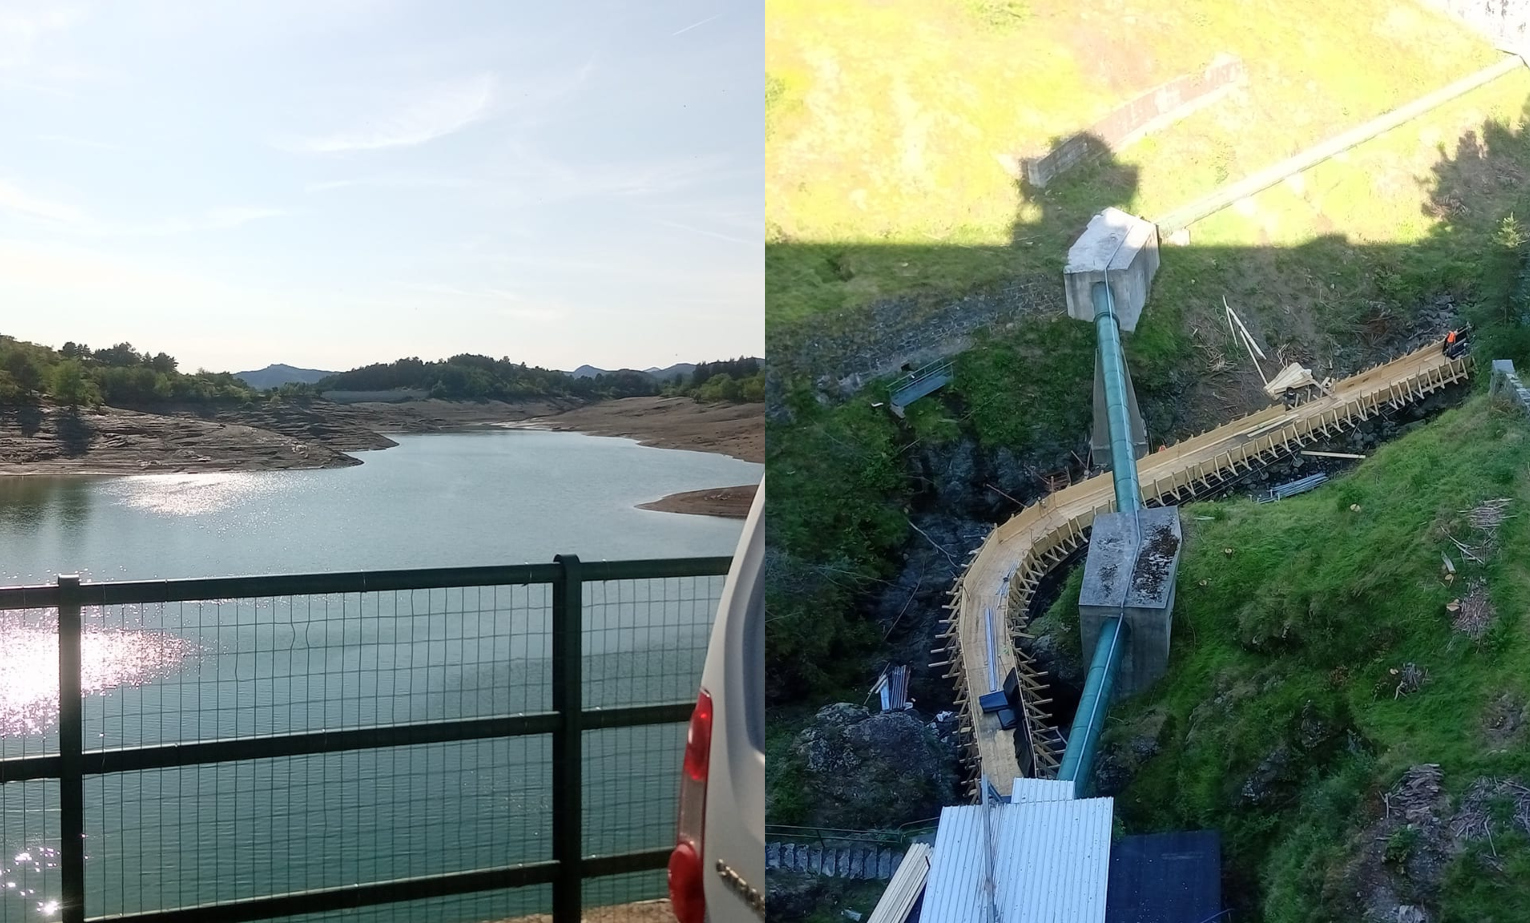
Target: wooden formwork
[(1007, 569)]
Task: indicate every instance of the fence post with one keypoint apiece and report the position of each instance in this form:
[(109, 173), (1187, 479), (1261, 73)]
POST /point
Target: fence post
[(71, 739), (567, 743)]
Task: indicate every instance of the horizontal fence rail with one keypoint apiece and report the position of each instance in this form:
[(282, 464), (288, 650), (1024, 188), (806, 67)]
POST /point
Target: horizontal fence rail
[(246, 748)]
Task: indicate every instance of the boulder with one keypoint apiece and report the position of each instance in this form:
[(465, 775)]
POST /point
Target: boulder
[(869, 771)]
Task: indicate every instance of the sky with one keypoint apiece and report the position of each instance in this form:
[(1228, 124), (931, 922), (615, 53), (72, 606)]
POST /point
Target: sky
[(329, 183)]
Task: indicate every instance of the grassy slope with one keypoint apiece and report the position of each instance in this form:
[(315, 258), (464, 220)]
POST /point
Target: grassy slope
[(1313, 607), (884, 121)]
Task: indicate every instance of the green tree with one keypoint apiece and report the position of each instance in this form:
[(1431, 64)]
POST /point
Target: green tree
[(24, 370), (70, 387)]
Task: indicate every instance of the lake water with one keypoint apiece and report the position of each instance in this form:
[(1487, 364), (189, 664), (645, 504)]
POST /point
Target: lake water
[(186, 672)]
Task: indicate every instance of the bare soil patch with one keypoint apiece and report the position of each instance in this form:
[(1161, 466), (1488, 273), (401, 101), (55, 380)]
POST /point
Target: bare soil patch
[(728, 502), (671, 423)]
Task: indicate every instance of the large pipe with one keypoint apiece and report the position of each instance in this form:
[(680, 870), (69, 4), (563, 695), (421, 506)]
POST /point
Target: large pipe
[(1078, 759), (1123, 460)]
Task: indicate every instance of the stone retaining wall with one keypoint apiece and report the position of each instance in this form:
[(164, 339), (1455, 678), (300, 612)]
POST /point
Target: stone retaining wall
[(1152, 111), (845, 350), (1506, 385)]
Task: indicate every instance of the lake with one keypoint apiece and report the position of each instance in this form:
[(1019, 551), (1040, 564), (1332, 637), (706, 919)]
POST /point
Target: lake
[(186, 672)]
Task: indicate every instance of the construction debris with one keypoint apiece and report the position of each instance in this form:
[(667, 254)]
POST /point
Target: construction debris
[(1291, 378), (1414, 797), (1466, 550), (1488, 515), (1411, 678), (1316, 454), (1472, 613), (1474, 819), (892, 686), (1301, 486)]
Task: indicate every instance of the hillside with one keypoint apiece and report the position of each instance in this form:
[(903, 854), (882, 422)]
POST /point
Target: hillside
[(1355, 261), (896, 235), (278, 374), (1317, 665)]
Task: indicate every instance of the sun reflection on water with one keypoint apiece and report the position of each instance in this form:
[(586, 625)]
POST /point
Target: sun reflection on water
[(192, 494), (109, 659)]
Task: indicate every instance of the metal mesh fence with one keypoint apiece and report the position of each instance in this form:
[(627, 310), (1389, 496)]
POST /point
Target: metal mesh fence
[(250, 670), (29, 861), (184, 672), (28, 683), (521, 905)]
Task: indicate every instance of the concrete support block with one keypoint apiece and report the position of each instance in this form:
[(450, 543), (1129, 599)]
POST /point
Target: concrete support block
[(1121, 249), (1150, 599), (1507, 387), (1113, 544), (1130, 571)]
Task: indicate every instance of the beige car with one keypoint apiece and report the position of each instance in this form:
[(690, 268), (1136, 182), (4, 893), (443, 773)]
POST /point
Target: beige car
[(717, 869)]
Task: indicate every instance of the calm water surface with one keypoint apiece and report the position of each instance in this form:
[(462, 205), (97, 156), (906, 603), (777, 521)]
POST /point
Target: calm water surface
[(186, 672), (502, 497)]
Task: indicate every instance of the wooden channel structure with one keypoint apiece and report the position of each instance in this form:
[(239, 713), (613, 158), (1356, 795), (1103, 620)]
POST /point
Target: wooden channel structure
[(1006, 570)]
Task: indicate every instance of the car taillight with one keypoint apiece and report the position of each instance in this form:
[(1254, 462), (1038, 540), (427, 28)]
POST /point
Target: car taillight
[(686, 894)]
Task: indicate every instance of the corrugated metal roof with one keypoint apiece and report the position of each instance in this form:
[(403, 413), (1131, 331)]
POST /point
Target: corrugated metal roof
[(1052, 864), (1026, 791), (954, 893)]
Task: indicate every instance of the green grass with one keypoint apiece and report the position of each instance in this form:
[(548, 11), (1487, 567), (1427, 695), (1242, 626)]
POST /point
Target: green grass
[(1305, 619), (885, 120)]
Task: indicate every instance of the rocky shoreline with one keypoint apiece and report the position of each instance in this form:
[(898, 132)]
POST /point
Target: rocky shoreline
[(183, 439)]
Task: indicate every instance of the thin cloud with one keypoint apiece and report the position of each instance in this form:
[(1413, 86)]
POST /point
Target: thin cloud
[(18, 201), (694, 25), (21, 29), (441, 111), (500, 301), (705, 233), (219, 219), (85, 142), (391, 182), (549, 179)]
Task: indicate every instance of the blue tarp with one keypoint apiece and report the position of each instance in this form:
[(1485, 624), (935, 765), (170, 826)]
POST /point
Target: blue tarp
[(1165, 878)]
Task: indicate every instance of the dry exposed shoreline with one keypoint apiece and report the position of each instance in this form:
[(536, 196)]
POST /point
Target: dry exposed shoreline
[(728, 502), (52, 440)]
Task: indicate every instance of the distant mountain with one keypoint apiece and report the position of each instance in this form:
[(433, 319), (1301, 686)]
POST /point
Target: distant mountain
[(590, 371), (679, 368), (664, 374), (276, 375)]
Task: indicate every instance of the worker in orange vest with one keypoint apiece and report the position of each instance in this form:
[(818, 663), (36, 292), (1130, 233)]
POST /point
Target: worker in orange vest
[(1450, 342)]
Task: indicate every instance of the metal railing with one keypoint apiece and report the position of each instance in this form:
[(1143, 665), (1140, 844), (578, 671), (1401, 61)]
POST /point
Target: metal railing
[(301, 667)]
